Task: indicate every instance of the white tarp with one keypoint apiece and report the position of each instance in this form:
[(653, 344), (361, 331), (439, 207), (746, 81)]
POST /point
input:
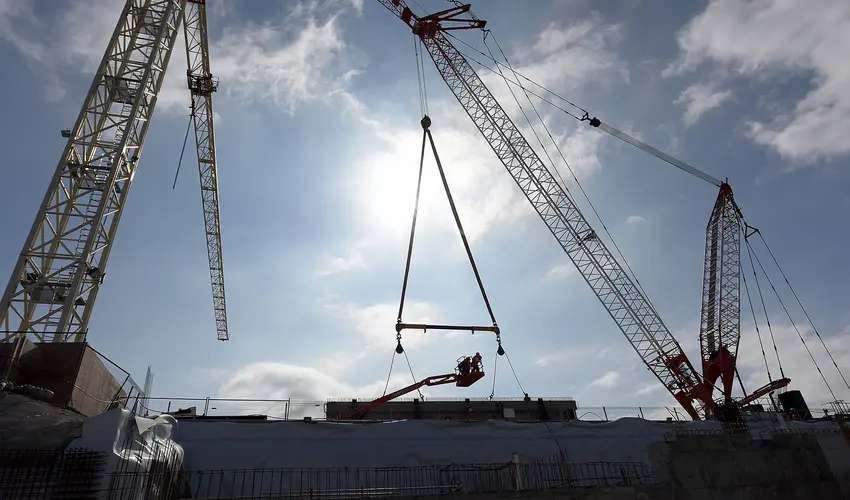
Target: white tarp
[(134, 445)]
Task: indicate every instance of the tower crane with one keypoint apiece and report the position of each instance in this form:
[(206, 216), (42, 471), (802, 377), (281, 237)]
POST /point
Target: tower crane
[(61, 268), (202, 84), (622, 298)]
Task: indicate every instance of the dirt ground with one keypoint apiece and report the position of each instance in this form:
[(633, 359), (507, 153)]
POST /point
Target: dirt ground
[(27, 423)]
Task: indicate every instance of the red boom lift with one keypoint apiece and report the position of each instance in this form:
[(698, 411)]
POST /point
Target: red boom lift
[(468, 371)]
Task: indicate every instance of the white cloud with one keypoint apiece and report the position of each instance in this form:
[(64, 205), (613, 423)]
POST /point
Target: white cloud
[(636, 219), (17, 18), (385, 180), (567, 57), (796, 362), (307, 388), (562, 271), (287, 62), (700, 98), (376, 323), (335, 265), (609, 379), (562, 58), (581, 149), (792, 36), (654, 387), (272, 63)]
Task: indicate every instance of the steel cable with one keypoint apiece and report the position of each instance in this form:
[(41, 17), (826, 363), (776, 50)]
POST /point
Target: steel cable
[(811, 323), (793, 324), (569, 168)]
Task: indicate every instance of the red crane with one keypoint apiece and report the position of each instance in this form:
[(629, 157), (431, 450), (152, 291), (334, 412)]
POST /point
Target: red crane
[(468, 371), (615, 288)]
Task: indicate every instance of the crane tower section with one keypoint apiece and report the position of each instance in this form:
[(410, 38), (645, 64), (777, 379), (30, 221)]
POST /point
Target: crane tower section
[(623, 300), (202, 84), (62, 265), (720, 328)]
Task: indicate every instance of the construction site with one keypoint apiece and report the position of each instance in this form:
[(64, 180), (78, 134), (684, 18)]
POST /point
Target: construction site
[(75, 424)]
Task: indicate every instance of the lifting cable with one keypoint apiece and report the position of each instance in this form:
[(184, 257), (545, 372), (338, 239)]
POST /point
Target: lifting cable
[(788, 314), (584, 116), (797, 298), (756, 323), (387, 385), (185, 138), (460, 226), (563, 158), (764, 308), (409, 367), (420, 76), (426, 134)]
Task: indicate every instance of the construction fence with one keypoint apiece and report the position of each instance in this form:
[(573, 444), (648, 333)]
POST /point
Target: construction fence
[(288, 409), (81, 475)]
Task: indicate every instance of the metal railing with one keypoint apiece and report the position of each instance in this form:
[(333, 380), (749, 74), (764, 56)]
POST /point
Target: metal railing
[(50, 474), (395, 482), (288, 409)]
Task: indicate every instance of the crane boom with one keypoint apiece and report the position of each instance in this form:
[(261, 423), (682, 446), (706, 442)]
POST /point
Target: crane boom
[(202, 84), (720, 325), (632, 312), (62, 265)]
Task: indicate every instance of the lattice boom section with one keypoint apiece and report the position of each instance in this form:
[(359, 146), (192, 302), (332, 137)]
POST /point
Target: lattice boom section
[(629, 309), (202, 85), (721, 308), (63, 262)]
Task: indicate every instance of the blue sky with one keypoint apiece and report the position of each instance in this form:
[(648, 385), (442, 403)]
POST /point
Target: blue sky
[(317, 141)]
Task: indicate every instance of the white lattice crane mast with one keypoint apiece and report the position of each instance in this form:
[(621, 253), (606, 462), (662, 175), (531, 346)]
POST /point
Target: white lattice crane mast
[(62, 265), (623, 300), (202, 84)]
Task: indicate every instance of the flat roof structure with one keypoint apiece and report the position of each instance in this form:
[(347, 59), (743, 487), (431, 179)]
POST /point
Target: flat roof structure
[(511, 409)]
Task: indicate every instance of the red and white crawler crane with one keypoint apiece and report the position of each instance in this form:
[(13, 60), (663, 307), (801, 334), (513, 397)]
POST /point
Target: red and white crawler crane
[(618, 291)]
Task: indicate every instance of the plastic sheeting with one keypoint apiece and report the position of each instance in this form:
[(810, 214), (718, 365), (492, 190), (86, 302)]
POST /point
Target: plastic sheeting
[(135, 447), (225, 445)]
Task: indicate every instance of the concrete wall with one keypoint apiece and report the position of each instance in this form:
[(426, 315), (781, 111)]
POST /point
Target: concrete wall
[(525, 410), (95, 385), (52, 366), (73, 371), (786, 466), (6, 353)]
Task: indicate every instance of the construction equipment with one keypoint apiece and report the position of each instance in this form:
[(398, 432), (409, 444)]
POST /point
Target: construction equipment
[(622, 297), (468, 371), (51, 293), (202, 84)]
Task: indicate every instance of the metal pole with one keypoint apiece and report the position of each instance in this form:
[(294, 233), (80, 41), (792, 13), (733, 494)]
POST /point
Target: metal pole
[(517, 471)]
